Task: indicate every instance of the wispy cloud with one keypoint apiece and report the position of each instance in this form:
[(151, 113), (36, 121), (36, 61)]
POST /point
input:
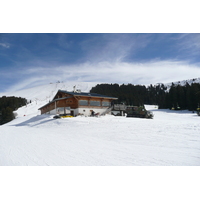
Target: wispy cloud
[(113, 47), (5, 45), (145, 73), (112, 58), (188, 45)]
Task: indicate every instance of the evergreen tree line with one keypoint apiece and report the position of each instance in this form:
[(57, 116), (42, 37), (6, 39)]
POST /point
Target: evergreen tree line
[(185, 97), (8, 105)]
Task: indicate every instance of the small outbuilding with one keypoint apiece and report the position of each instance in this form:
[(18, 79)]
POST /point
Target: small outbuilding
[(78, 103)]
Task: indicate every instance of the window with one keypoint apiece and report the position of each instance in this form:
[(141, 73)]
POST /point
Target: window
[(83, 102), (106, 103), (95, 103)]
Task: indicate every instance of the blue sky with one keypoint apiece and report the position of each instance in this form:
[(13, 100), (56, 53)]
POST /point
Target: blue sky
[(30, 59)]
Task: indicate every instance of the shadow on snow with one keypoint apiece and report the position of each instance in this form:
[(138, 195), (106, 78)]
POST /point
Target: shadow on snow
[(34, 120)]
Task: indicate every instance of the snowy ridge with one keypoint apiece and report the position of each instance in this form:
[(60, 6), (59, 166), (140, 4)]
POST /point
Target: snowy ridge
[(182, 83)]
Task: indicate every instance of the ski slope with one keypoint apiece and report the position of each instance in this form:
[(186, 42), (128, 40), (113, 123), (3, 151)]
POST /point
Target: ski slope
[(40, 95), (47, 92), (170, 139)]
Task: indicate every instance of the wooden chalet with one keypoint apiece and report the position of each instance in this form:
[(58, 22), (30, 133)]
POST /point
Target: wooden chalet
[(78, 103)]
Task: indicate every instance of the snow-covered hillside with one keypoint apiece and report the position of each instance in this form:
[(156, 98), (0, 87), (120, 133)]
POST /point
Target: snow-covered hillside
[(47, 92), (171, 138), (182, 83), (40, 95)]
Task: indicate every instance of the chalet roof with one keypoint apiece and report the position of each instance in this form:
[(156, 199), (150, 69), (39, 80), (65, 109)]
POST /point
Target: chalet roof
[(77, 94), (86, 94), (54, 100)]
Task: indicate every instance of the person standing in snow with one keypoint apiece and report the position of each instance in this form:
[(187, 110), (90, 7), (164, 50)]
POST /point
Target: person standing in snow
[(92, 113)]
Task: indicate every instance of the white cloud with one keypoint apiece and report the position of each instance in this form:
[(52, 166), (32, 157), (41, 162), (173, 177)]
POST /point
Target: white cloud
[(113, 47), (145, 73), (189, 43), (5, 45)]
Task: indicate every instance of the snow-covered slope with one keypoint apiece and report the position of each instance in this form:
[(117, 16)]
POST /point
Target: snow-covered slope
[(183, 82), (46, 92), (171, 138), (41, 95)]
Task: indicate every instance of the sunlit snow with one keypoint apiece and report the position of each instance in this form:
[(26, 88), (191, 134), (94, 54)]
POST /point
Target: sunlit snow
[(171, 138)]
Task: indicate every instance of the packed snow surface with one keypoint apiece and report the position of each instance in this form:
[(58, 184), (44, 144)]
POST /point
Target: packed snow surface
[(171, 138)]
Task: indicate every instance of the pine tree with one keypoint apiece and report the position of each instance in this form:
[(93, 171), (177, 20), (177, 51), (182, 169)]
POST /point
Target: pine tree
[(8, 105)]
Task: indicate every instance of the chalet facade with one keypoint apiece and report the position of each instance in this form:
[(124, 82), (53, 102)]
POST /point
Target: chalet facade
[(78, 103)]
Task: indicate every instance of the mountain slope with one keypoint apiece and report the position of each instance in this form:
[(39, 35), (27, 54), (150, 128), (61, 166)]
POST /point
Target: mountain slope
[(183, 82), (46, 92), (171, 138), (40, 95)]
